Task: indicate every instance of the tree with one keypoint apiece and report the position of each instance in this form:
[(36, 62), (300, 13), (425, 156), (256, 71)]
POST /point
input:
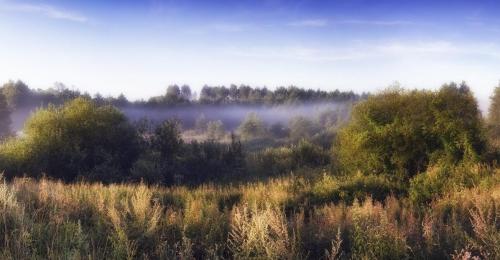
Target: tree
[(167, 139), (278, 130), (79, 138), (215, 130), (402, 132), (200, 124), (494, 118), (16, 93), (301, 127), (173, 94), (186, 92), (252, 127), (5, 120)]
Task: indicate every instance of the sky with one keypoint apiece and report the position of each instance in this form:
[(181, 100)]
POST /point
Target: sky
[(140, 47)]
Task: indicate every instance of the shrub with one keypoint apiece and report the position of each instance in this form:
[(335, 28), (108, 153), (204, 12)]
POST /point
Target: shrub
[(441, 179), (283, 160), (77, 139), (353, 188), (402, 132), (252, 127)]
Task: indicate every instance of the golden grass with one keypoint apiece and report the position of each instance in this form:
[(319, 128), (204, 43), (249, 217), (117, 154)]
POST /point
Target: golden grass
[(267, 220)]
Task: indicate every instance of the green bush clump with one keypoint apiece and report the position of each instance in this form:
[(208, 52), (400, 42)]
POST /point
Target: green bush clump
[(284, 160), (79, 139), (357, 187), (401, 132), (441, 179)]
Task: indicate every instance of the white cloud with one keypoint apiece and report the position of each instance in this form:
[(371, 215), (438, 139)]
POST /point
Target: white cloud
[(310, 23), (375, 22), (45, 10), (324, 22), (397, 50)]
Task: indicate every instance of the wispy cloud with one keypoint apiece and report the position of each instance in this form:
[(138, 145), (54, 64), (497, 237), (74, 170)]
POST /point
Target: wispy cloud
[(325, 22), (375, 22), (309, 23), (45, 10), (382, 50)]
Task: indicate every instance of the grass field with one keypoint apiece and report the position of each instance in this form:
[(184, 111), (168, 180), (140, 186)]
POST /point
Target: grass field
[(276, 219)]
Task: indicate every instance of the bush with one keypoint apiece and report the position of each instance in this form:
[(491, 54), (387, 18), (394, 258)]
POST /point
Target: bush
[(252, 127), (283, 160), (353, 188), (441, 179), (79, 139), (402, 132)]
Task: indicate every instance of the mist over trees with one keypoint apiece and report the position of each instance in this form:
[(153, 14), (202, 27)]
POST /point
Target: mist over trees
[(396, 133), (19, 94)]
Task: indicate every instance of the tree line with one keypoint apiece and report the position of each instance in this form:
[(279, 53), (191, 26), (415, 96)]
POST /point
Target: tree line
[(18, 94), (396, 134)]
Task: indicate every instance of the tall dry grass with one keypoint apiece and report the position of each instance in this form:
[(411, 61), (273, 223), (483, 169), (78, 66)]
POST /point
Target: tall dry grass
[(279, 219)]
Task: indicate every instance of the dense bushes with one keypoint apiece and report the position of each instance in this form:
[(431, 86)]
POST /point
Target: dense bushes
[(79, 139), (401, 132), (166, 159), (283, 160)]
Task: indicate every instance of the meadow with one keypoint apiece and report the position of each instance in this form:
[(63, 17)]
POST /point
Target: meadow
[(399, 175), (283, 218)]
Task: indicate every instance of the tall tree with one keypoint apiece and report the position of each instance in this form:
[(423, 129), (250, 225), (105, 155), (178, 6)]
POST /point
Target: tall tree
[(494, 118), (5, 120)]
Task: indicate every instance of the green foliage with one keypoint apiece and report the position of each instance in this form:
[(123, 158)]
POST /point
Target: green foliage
[(215, 130), (17, 94), (5, 119), (494, 119), (283, 160), (252, 127), (442, 179), (402, 132), (77, 139), (353, 188), (166, 159), (301, 127)]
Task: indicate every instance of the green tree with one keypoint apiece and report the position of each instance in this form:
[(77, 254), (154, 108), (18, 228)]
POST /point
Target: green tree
[(494, 118), (215, 130), (173, 94), (16, 93), (402, 132), (186, 92), (301, 127), (79, 138), (252, 127), (167, 139), (5, 119)]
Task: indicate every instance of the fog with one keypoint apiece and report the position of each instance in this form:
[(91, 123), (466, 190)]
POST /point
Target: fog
[(230, 115), (233, 115)]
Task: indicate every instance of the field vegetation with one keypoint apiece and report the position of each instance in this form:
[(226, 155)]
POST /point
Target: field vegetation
[(403, 174)]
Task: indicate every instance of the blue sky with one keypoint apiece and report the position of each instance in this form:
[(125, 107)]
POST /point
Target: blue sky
[(140, 47)]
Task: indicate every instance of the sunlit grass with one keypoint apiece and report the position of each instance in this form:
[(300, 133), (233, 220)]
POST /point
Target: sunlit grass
[(278, 219)]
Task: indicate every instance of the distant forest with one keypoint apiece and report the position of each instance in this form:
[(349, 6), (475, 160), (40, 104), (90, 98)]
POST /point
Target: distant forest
[(18, 94)]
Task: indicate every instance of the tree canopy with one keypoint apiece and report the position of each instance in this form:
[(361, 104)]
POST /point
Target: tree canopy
[(77, 139), (400, 131)]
